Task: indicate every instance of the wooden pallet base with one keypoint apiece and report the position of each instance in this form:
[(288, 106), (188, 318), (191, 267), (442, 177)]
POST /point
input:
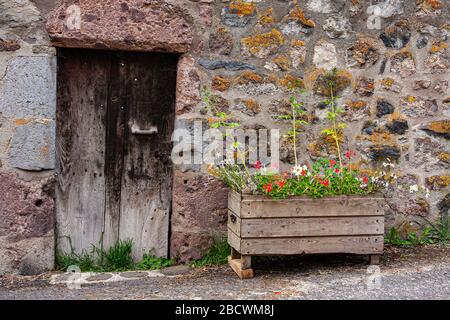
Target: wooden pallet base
[(238, 266), (374, 259)]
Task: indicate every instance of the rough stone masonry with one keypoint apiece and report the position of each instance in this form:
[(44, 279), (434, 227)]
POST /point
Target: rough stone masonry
[(393, 60)]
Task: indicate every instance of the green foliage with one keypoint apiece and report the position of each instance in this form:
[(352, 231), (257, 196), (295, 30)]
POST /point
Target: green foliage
[(296, 115), (116, 258), (150, 262), (221, 119), (439, 231), (232, 174), (334, 113), (85, 261), (430, 233), (216, 255)]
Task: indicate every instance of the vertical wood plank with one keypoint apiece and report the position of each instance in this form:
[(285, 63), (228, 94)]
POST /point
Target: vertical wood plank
[(147, 178), (115, 144), (81, 109)]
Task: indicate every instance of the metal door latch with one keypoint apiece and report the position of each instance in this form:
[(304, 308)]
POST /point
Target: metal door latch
[(138, 131)]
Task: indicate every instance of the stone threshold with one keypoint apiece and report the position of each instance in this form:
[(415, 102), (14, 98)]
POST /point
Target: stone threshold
[(86, 278)]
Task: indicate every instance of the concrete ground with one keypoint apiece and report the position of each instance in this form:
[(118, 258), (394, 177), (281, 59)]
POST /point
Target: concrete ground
[(405, 273)]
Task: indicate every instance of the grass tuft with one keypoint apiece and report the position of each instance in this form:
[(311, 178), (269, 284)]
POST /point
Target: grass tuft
[(117, 258), (150, 262), (217, 254)]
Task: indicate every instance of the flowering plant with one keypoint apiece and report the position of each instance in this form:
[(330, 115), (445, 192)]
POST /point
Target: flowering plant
[(323, 178)]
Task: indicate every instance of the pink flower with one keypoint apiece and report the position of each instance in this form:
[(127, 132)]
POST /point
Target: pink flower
[(258, 165), (332, 163)]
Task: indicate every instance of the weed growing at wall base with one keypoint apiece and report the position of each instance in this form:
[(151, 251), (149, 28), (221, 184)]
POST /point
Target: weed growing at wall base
[(117, 258), (217, 254)]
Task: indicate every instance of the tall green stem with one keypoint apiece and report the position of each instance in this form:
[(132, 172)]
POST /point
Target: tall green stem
[(335, 128), (294, 129)]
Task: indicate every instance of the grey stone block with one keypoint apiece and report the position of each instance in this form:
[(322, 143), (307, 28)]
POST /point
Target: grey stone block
[(28, 89), (33, 146)]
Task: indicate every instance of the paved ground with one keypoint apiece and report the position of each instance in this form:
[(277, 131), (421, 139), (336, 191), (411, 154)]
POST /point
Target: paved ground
[(406, 273)]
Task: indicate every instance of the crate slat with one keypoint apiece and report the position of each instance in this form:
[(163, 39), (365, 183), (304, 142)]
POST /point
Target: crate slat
[(285, 246), (301, 207), (306, 227)]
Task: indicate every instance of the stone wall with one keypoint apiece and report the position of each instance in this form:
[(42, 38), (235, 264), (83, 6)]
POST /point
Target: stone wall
[(393, 62), (27, 147), (393, 72)]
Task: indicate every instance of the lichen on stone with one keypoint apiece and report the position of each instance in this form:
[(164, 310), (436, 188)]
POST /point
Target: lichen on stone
[(396, 35), (438, 182), (262, 45), (364, 86), (291, 82), (282, 62), (439, 128), (266, 18), (363, 53), (321, 80), (297, 14), (403, 63), (221, 83), (249, 76), (242, 8)]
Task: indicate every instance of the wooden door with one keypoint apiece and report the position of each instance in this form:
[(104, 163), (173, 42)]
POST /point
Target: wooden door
[(115, 117)]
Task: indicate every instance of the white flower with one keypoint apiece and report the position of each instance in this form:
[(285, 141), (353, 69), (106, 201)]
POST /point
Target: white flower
[(388, 164), (413, 188), (298, 170)]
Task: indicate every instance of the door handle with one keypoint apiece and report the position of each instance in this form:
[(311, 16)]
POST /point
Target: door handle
[(138, 131)]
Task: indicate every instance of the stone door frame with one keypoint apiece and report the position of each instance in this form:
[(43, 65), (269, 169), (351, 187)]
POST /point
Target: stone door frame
[(137, 25)]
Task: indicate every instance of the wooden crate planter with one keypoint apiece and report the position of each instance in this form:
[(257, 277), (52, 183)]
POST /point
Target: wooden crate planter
[(260, 225)]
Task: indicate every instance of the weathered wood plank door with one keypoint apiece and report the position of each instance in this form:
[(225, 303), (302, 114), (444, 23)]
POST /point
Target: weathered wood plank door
[(115, 118)]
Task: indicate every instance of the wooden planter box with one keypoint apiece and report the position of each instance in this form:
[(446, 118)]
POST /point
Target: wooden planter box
[(260, 225)]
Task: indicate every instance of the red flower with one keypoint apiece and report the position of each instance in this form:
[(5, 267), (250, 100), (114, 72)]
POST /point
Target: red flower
[(366, 180), (258, 165), (326, 183), (268, 187), (280, 183), (303, 173), (336, 170), (348, 154), (332, 163)]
